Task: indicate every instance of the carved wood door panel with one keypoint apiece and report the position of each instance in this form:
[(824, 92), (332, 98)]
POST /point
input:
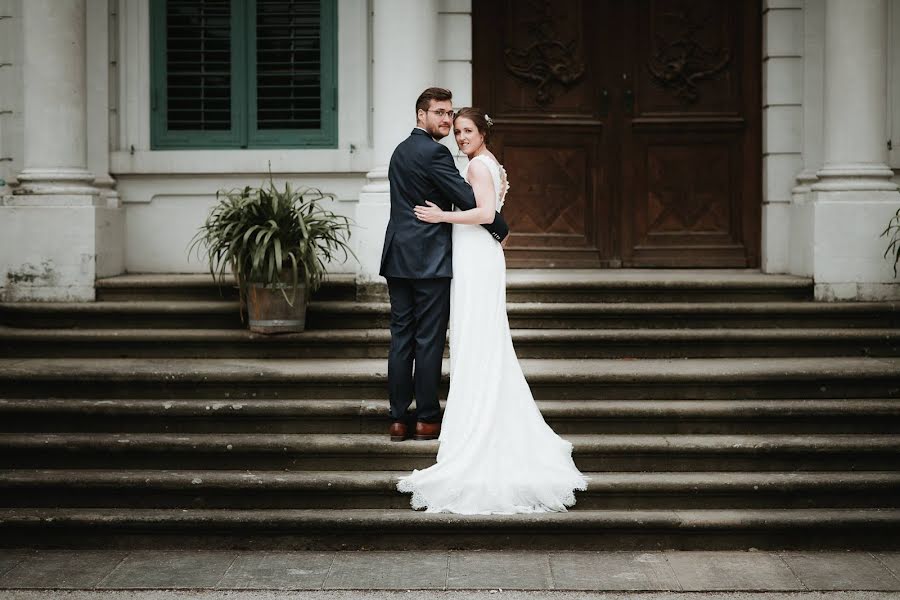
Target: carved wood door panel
[(537, 77), (690, 142), (629, 128)]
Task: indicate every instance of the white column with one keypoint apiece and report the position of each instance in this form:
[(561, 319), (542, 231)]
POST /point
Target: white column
[(99, 55), (855, 143), (55, 94), (56, 234), (854, 196), (404, 63)]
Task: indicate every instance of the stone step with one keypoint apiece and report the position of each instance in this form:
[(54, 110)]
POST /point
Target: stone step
[(401, 529), (653, 285), (337, 314), (550, 379), (146, 488), (375, 343), (284, 415), (200, 286), (639, 315), (363, 452), (115, 314), (528, 285)]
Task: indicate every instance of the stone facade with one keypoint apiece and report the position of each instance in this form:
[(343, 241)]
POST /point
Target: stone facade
[(86, 197)]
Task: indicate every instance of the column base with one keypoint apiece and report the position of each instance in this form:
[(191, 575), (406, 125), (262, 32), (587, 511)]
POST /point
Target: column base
[(373, 213), (862, 177), (72, 200), (55, 181), (776, 221), (847, 255), (55, 253)]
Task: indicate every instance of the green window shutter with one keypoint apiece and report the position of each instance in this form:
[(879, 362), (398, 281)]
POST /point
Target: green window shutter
[(196, 74), (292, 73), (243, 73)]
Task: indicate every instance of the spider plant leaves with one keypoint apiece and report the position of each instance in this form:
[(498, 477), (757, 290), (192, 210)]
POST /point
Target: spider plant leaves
[(272, 236), (892, 232), (277, 254)]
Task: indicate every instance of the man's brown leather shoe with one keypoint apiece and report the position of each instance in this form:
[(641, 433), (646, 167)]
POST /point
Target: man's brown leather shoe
[(399, 431), (427, 431)]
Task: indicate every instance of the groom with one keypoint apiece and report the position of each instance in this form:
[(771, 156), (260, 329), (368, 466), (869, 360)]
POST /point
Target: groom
[(416, 261)]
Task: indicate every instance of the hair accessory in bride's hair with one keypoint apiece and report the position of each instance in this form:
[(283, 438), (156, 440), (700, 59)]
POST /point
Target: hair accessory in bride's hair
[(488, 120)]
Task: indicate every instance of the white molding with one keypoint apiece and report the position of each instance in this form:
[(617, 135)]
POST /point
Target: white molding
[(352, 155), (783, 32), (455, 6), (779, 4), (185, 162)]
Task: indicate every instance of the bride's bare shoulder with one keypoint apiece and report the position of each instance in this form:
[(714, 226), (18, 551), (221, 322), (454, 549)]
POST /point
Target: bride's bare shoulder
[(493, 158), (478, 168)]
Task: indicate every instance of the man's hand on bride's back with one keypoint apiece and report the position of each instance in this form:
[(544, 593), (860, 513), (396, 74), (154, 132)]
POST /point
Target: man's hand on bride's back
[(431, 213)]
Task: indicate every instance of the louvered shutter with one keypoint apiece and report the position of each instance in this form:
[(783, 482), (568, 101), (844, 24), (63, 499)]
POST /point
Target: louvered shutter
[(243, 73), (293, 83), (194, 94)]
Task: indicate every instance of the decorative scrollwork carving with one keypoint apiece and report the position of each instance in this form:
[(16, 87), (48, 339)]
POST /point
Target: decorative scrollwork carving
[(547, 60), (680, 63)]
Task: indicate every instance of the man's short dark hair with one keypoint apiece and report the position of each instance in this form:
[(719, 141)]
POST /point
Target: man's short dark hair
[(432, 93)]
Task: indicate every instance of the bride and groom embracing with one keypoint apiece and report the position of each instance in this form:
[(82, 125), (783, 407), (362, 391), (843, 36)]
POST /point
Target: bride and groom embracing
[(496, 453)]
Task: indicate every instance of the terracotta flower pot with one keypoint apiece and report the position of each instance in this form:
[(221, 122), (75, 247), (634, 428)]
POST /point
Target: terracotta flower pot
[(270, 312)]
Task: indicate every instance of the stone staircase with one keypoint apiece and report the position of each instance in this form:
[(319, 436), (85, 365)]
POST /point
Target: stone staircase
[(711, 409)]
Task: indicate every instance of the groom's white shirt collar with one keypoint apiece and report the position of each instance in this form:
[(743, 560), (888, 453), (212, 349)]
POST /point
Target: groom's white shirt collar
[(422, 128)]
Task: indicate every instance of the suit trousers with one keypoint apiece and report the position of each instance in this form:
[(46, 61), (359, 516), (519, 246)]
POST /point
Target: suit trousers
[(420, 309)]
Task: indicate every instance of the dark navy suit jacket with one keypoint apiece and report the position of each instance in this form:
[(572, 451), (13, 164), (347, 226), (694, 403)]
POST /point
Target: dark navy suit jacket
[(422, 169)]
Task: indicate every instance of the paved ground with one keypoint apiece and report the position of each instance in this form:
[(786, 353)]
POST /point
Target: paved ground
[(435, 595), (792, 574)]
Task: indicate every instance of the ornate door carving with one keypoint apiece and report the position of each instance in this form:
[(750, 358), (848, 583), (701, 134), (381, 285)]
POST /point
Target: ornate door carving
[(630, 128), (536, 75), (690, 134)]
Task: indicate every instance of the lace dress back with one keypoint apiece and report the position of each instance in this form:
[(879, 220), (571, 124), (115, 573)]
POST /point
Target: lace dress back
[(497, 455)]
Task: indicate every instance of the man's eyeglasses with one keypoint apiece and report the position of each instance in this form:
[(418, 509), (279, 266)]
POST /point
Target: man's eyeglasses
[(441, 113)]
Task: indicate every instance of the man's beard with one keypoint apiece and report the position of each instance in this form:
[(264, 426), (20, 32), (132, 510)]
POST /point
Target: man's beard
[(436, 135)]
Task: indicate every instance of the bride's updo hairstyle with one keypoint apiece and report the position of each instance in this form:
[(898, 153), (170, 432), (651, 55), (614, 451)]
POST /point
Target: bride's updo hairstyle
[(482, 122)]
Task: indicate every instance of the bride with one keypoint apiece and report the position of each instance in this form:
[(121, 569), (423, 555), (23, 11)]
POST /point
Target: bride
[(496, 455)]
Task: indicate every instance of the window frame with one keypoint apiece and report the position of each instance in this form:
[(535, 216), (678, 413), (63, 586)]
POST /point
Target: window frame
[(243, 133)]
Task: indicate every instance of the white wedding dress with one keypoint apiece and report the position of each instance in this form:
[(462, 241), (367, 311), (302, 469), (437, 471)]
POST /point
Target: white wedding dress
[(496, 455)]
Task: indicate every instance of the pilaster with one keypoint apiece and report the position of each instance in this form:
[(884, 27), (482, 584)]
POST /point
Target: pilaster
[(405, 46)]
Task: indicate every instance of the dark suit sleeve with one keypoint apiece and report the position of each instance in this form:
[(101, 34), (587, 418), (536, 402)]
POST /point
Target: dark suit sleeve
[(447, 178)]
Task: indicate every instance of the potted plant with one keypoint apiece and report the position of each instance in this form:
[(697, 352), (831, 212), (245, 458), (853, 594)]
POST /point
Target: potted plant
[(276, 242), (892, 232)]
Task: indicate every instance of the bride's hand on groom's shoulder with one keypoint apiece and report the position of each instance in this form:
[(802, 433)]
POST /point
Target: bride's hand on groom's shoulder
[(431, 213)]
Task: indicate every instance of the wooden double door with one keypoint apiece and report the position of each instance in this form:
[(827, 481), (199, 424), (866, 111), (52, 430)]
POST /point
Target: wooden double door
[(630, 129)]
